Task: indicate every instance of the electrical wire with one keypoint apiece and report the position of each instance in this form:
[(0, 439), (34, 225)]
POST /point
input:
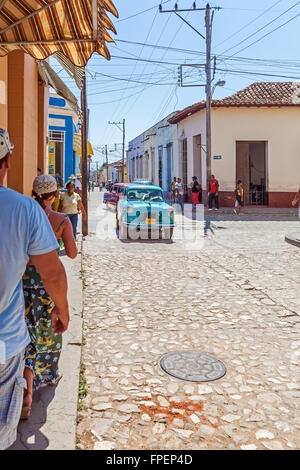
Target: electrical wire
[(261, 29)]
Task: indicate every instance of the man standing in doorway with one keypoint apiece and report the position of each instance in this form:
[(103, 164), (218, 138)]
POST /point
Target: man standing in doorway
[(26, 235), (213, 193)]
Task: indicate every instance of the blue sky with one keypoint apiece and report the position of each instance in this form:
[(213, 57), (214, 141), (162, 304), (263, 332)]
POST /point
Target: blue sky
[(145, 92)]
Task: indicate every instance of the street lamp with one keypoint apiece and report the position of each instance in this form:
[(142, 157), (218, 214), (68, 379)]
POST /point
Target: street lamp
[(219, 83)]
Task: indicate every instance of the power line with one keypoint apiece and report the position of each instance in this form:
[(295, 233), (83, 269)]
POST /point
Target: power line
[(260, 29), (250, 22)]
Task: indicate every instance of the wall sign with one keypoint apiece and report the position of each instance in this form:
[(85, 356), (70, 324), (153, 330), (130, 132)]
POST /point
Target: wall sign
[(217, 157)]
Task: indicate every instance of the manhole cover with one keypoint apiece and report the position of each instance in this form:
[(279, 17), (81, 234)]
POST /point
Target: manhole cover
[(193, 366)]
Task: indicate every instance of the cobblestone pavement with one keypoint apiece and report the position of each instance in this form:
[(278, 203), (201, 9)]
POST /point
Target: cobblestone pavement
[(237, 299)]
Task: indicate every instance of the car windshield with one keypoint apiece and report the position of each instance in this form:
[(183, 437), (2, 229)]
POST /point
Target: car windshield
[(145, 195)]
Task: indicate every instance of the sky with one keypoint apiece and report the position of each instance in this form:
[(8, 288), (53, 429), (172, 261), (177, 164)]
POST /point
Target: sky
[(252, 41)]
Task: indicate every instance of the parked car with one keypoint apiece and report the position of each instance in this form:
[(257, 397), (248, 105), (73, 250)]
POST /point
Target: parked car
[(144, 208), (112, 197)]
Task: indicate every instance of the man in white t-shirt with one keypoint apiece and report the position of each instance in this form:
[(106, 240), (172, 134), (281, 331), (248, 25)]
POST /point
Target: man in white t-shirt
[(26, 235), (179, 192)]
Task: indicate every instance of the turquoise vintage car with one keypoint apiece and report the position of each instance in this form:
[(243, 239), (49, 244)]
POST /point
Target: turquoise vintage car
[(143, 208)]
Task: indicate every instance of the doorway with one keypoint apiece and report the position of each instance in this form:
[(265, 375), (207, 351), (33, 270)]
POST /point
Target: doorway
[(251, 168), (197, 167)]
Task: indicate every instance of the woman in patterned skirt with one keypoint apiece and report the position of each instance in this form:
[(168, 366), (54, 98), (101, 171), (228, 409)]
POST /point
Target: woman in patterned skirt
[(41, 367)]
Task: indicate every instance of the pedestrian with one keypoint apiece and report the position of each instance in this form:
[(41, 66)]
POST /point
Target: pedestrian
[(93, 186), (26, 235), (42, 355), (70, 204), (179, 193), (239, 198), (78, 185), (174, 188), (296, 199), (196, 189), (213, 193)]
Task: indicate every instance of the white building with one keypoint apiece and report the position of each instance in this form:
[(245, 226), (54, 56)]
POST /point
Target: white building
[(154, 155)]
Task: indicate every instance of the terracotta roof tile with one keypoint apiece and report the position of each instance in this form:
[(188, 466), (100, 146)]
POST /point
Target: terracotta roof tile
[(257, 94)]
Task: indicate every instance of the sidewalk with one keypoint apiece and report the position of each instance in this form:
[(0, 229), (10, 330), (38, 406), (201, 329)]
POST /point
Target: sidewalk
[(52, 425)]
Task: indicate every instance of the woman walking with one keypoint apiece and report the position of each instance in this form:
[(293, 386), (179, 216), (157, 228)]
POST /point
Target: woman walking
[(70, 204), (41, 366)]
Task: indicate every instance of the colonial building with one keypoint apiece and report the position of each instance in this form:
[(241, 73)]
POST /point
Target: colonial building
[(154, 155), (255, 138)]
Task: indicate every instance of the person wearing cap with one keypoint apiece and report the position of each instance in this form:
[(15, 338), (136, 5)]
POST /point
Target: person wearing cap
[(41, 366), (26, 236)]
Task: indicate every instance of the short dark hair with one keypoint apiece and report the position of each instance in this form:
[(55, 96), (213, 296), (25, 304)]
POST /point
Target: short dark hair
[(239, 181), (69, 184), (3, 160)]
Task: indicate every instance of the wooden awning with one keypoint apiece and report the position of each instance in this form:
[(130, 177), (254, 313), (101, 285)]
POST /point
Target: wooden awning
[(76, 28)]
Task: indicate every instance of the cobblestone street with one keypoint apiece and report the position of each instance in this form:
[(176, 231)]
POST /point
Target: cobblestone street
[(237, 299)]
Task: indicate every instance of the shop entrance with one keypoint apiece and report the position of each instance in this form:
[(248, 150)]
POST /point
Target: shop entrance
[(57, 153), (251, 168)]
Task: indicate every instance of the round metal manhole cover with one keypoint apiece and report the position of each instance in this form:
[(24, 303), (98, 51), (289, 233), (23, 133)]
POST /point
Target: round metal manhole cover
[(193, 366)]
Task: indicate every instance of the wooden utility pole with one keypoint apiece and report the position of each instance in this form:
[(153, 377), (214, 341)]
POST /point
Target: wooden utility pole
[(84, 166), (208, 24), (106, 154), (123, 153), (209, 15)]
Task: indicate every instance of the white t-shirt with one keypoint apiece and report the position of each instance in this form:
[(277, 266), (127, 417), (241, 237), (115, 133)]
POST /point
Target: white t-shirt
[(25, 231), (179, 187)]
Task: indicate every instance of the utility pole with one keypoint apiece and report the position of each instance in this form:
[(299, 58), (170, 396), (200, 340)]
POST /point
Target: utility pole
[(208, 25), (84, 168), (209, 15), (106, 154), (123, 152)]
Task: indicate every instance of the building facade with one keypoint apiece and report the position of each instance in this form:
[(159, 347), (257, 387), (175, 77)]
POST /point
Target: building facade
[(24, 112), (154, 155), (255, 138), (63, 123)]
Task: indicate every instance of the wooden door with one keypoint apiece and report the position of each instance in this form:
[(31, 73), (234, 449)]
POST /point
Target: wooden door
[(243, 167)]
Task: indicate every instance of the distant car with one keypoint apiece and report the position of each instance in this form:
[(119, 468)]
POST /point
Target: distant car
[(112, 197), (145, 182), (144, 208)]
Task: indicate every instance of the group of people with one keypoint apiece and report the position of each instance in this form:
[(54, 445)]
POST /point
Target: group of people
[(34, 311)]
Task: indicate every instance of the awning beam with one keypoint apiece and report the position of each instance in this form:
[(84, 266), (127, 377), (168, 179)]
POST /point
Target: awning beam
[(45, 41), (2, 3), (95, 19), (25, 18)]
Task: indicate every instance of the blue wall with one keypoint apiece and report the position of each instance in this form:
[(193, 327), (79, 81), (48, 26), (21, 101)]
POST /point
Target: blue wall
[(67, 126)]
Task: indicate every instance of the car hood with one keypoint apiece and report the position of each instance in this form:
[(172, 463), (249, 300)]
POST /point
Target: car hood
[(148, 205)]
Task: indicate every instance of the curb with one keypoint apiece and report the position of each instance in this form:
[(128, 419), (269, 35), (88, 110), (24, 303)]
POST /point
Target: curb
[(293, 239)]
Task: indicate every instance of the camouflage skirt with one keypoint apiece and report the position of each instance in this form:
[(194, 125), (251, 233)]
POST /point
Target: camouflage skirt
[(43, 352)]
